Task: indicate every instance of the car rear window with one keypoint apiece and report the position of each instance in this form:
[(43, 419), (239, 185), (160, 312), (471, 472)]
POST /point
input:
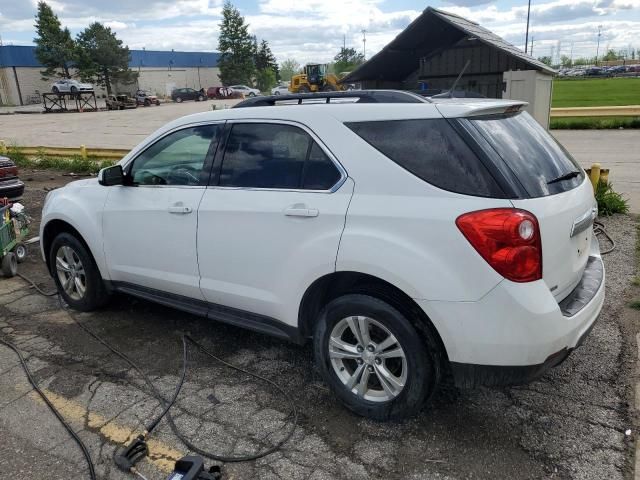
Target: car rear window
[(433, 151), (533, 155)]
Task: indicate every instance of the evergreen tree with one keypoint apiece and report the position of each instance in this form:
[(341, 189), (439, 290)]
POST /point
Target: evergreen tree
[(266, 67), (101, 57), (54, 46), (237, 48), (347, 60)]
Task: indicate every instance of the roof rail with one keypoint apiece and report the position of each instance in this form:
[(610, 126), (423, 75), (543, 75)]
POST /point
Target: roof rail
[(358, 96)]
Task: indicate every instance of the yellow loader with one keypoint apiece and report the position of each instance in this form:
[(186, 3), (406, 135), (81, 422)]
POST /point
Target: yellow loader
[(315, 78)]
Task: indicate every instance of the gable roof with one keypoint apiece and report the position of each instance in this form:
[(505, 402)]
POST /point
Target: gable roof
[(25, 56), (433, 31)]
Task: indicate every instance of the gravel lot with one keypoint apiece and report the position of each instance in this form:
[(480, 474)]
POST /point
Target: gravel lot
[(570, 424)]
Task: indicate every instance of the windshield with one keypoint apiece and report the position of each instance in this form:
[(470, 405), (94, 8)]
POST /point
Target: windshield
[(531, 153)]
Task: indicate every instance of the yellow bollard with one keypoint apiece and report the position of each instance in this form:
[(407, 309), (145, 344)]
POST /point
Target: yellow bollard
[(3, 148), (604, 175), (595, 175), (83, 152)]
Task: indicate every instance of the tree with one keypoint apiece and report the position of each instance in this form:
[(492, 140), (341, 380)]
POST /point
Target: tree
[(265, 79), (610, 55), (237, 48), (54, 46), (101, 57), (347, 59), (288, 69), (565, 61), (546, 60)]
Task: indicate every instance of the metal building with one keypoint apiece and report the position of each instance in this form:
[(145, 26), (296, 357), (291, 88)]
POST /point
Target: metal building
[(432, 51), (158, 71)]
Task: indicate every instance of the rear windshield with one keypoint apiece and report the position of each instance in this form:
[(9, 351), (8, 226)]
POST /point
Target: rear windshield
[(433, 151), (537, 160)]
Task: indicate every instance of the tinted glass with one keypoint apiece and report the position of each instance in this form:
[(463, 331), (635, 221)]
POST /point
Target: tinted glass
[(320, 173), (433, 151), (533, 155), (177, 159), (261, 155)]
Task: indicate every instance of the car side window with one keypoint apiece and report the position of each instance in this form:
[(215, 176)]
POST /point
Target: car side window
[(177, 159), (271, 155)]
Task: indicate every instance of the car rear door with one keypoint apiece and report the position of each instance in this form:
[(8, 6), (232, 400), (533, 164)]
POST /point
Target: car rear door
[(270, 222), (150, 224)]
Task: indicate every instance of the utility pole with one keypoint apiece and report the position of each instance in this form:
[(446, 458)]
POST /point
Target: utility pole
[(571, 56), (364, 44), (531, 49), (526, 37), (598, 47)]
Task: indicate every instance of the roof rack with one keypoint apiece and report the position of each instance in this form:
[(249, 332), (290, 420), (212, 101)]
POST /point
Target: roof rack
[(357, 96)]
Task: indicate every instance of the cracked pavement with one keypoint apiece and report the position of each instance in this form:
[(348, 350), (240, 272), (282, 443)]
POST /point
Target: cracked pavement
[(569, 424)]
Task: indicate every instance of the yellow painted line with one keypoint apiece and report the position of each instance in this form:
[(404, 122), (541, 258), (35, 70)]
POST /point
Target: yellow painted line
[(161, 455), (615, 111)]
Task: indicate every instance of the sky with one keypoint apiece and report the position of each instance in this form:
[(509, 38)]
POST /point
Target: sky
[(314, 30)]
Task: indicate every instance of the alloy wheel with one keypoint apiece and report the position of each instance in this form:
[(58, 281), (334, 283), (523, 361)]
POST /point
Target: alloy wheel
[(368, 358), (71, 273)]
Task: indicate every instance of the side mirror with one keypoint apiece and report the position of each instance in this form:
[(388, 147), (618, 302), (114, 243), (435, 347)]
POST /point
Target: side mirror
[(111, 176)]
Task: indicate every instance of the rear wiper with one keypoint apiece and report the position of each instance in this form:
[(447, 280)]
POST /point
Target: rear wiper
[(566, 176)]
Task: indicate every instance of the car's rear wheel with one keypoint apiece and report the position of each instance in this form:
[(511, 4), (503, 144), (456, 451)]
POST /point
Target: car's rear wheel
[(179, 99), (251, 94), (55, 90), (74, 90), (373, 358), (76, 274), (201, 98)]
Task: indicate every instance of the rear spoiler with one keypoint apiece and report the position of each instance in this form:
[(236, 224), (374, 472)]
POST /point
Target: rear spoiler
[(479, 108)]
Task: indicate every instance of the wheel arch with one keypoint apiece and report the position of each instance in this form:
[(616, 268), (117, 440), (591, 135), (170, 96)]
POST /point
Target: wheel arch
[(335, 284), (55, 227)]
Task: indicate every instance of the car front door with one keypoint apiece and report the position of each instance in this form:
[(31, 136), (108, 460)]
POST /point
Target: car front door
[(150, 222), (270, 223)]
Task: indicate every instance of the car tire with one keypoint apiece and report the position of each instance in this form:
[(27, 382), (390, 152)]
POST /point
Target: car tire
[(21, 252), (251, 94), (277, 93), (55, 90), (74, 90), (79, 264), (10, 265), (179, 99), (200, 98), (411, 367), (157, 103), (147, 103)]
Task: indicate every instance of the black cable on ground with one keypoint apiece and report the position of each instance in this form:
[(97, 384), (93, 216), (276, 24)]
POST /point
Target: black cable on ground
[(167, 404), (598, 229), (78, 440), (37, 288)]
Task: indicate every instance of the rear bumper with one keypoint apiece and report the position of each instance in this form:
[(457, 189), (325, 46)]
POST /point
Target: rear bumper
[(517, 331), (11, 189)]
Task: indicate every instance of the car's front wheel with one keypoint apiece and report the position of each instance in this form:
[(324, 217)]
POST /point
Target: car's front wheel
[(373, 358), (76, 274), (179, 99), (251, 94)]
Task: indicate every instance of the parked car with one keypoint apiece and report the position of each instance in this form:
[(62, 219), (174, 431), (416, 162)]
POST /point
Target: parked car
[(11, 186), (65, 85), (221, 93), (246, 91), (280, 90), (181, 94), (120, 102), (405, 240), (146, 98)]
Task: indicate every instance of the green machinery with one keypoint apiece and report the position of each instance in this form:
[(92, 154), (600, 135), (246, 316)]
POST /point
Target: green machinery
[(13, 229)]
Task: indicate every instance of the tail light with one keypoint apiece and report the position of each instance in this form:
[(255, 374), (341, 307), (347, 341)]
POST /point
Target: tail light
[(508, 239)]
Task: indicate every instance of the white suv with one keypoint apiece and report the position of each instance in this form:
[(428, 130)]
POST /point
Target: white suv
[(408, 241)]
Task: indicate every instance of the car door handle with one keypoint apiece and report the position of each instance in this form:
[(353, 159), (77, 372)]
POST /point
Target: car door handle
[(301, 211), (181, 209)]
